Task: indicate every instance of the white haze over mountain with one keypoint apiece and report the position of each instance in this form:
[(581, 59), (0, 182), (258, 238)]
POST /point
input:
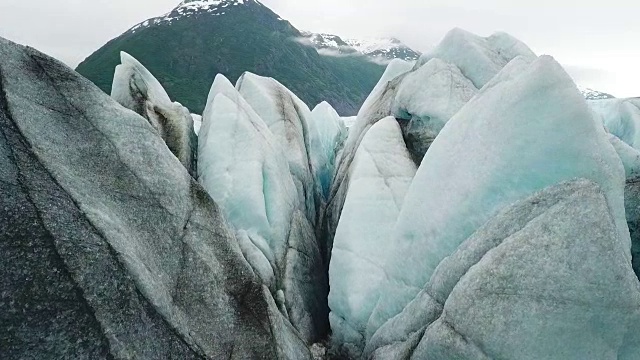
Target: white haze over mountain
[(593, 39)]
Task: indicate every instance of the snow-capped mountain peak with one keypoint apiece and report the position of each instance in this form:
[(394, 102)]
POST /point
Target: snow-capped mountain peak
[(209, 4), (321, 40), (390, 48), (386, 48), (195, 7), (591, 94), (373, 44)]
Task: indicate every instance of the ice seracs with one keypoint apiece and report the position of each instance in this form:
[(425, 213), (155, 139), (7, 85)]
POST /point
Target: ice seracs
[(631, 160), (425, 96), (135, 88), (126, 255), (379, 178), (221, 86), (460, 216), (263, 179), (376, 107), (621, 117), (328, 135), (426, 99), (479, 58), (521, 287), (245, 172), (514, 138), (197, 123), (439, 84), (288, 118)]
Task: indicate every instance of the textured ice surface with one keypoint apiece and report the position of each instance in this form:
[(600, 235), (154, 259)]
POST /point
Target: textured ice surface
[(399, 336), (479, 58), (631, 160), (110, 249), (395, 68), (427, 98), (630, 157), (372, 109), (135, 88), (245, 168), (523, 286), (221, 85), (246, 173), (420, 94), (380, 176), (133, 84), (197, 123), (303, 271), (516, 137), (621, 117), (328, 136), (288, 119), (349, 121), (632, 209), (376, 107)]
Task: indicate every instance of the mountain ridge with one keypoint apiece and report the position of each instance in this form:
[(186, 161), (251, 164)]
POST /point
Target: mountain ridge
[(188, 46), (591, 94), (384, 48)]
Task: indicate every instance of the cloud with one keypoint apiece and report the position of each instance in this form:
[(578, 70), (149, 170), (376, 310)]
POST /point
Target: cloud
[(622, 83), (303, 40), (584, 74)]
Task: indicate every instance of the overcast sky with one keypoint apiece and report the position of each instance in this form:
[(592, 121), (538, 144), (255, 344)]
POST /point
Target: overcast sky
[(597, 41)]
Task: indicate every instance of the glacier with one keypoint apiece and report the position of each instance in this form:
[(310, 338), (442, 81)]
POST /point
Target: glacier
[(496, 137), (478, 58), (477, 207), (125, 254), (621, 117), (522, 286), (245, 170), (243, 148), (197, 123), (376, 107), (135, 88), (630, 158), (426, 99), (289, 119), (349, 121), (326, 141), (382, 166)]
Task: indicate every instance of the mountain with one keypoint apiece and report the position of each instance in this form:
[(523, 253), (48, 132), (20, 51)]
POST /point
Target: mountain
[(390, 48), (591, 94), (377, 48), (188, 46)]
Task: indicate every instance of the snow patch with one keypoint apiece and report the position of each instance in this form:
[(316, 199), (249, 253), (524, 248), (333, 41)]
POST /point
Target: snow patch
[(378, 48), (189, 8)]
